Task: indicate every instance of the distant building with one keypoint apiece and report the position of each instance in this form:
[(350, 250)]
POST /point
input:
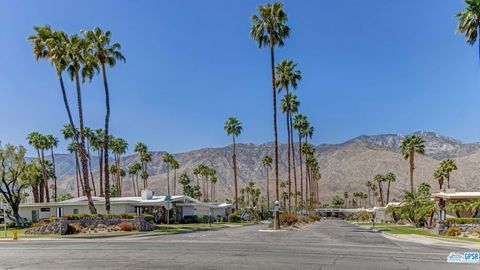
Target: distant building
[(183, 206)]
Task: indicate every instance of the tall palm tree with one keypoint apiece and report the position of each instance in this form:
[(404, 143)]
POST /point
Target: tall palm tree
[(167, 159), (448, 166), (287, 77), (133, 171), (97, 145), (369, 185), (145, 157), (214, 181), (411, 145), (379, 179), (90, 137), (39, 143), (234, 127), (119, 147), (267, 164), (469, 22), (175, 166), (51, 45), (439, 175), (72, 148), (299, 123), (76, 51), (389, 177), (269, 29), (52, 142), (345, 197), (106, 54)]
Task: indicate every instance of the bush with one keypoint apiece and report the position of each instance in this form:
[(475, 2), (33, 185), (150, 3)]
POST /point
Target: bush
[(364, 216), (149, 218), (83, 216), (189, 219), (463, 220), (453, 231), (126, 226), (234, 217), (288, 219)]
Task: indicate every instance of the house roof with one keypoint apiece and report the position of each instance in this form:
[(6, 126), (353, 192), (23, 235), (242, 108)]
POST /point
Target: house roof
[(137, 201), (457, 195)]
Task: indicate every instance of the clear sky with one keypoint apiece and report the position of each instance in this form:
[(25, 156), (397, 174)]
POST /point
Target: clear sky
[(369, 67)]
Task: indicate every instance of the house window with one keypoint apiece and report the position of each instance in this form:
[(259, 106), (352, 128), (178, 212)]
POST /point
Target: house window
[(75, 211)]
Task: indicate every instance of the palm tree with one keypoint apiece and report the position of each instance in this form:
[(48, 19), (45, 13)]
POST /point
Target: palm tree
[(267, 164), (287, 77), (76, 51), (389, 177), (369, 185), (52, 142), (167, 159), (379, 179), (448, 166), (288, 105), (469, 22), (374, 193), (72, 148), (300, 123), (269, 29), (145, 157), (234, 127), (119, 147), (411, 145), (345, 197), (48, 44), (105, 54), (175, 166), (39, 142), (90, 137), (439, 175), (97, 145), (133, 170)]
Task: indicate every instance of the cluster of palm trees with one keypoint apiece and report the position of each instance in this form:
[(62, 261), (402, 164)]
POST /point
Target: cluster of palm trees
[(40, 187), (208, 177), (173, 164), (269, 29), (81, 56), (377, 182), (359, 199), (443, 171), (249, 195)]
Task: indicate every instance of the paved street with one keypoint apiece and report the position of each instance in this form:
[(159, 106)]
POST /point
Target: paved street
[(324, 245)]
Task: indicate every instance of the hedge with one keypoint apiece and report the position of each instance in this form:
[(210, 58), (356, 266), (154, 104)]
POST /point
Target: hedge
[(81, 216), (464, 220)]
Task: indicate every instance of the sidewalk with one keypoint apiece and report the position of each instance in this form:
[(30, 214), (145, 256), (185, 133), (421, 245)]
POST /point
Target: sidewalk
[(426, 240)]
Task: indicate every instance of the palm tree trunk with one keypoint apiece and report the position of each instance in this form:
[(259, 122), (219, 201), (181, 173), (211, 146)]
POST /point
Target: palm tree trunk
[(268, 190), (54, 175), (293, 163), (388, 192), (45, 177), (100, 170), (234, 160), (133, 185), (288, 163), (412, 168), (91, 169), (105, 140), (448, 180), (83, 155), (174, 181), (301, 168), (168, 180), (35, 193), (77, 175), (67, 107), (381, 193)]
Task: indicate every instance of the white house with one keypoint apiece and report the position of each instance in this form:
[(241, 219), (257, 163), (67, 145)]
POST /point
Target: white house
[(147, 203)]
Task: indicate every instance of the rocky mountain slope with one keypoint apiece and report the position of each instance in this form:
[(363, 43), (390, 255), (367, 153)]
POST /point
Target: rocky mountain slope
[(345, 167)]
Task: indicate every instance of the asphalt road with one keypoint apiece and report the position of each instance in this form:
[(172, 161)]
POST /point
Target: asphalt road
[(324, 245)]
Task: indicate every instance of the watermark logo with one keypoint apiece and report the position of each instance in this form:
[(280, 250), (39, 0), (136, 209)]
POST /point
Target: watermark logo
[(467, 257)]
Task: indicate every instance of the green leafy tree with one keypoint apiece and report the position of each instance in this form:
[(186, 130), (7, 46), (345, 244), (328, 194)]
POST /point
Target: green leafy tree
[(269, 29), (411, 145), (233, 127), (13, 178)]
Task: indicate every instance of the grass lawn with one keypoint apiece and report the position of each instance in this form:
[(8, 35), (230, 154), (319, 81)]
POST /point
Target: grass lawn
[(161, 229), (404, 229)]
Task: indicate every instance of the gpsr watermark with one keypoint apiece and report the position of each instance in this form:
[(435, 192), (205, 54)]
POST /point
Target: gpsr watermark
[(467, 257)]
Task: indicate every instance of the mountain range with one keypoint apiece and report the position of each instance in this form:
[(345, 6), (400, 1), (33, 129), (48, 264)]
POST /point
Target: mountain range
[(344, 167)]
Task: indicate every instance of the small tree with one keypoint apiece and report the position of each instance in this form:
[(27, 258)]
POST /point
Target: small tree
[(12, 178)]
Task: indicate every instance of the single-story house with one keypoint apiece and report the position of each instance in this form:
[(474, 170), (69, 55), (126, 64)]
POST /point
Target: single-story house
[(182, 206), (445, 197)]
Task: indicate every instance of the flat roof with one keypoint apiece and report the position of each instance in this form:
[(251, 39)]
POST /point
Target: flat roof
[(457, 195)]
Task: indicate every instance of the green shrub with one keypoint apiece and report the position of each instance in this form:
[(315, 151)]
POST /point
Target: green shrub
[(453, 231), (203, 219), (148, 218), (463, 220), (189, 219), (234, 217)]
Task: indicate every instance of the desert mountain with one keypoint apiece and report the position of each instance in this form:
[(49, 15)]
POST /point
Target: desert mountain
[(344, 167)]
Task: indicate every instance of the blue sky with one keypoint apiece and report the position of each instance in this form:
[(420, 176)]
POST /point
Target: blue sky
[(369, 67)]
